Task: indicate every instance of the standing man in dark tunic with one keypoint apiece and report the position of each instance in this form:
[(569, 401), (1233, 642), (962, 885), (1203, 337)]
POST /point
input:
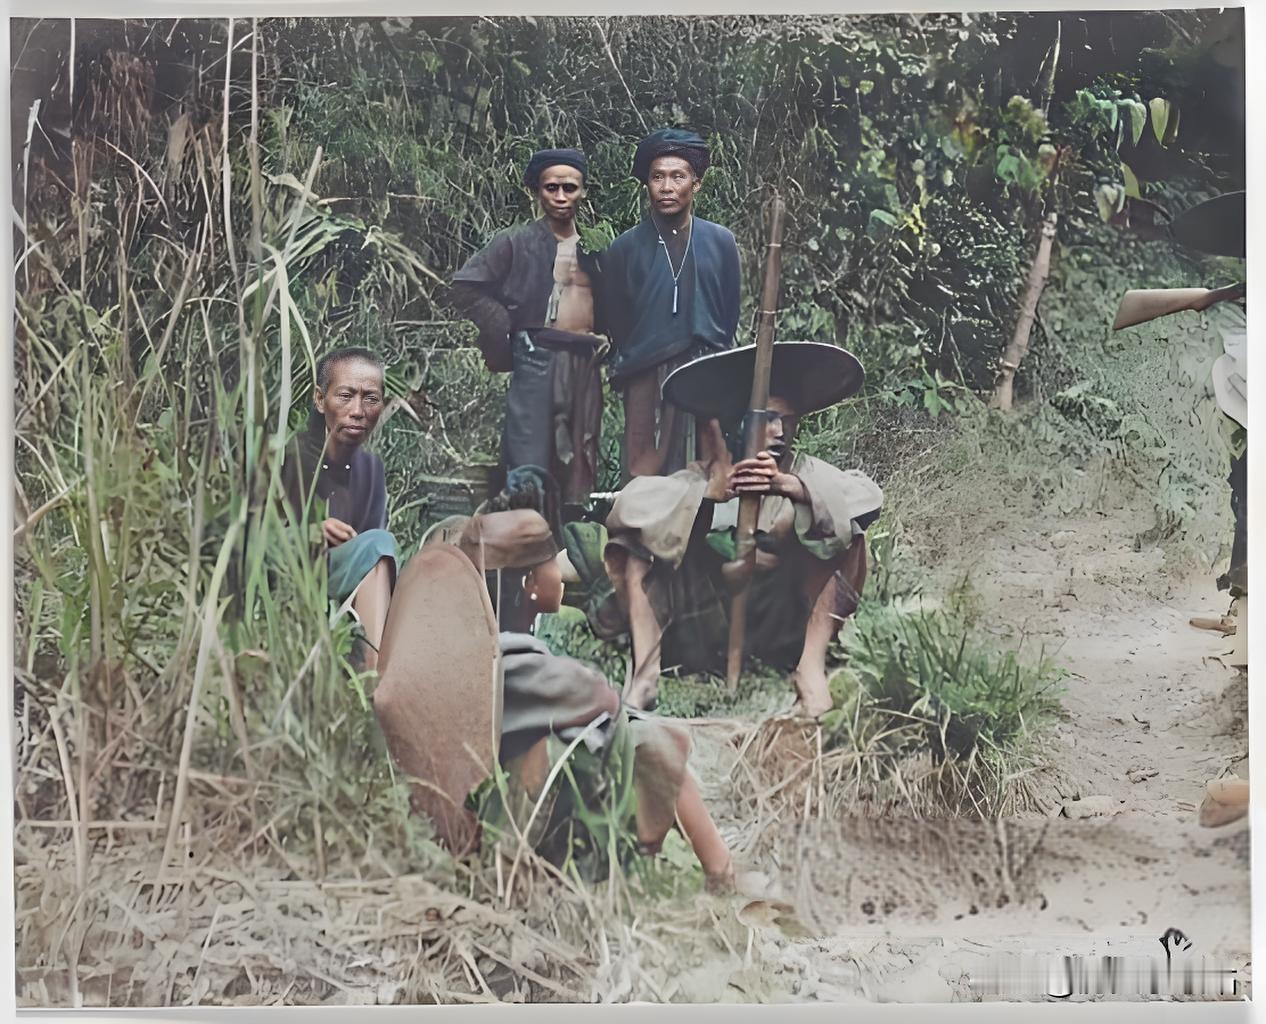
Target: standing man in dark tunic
[(531, 293), (328, 470), (671, 294)]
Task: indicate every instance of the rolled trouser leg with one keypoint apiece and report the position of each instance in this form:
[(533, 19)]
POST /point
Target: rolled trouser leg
[(640, 455)]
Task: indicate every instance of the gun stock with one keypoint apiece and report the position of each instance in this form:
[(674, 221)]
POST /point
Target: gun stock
[(1141, 305)]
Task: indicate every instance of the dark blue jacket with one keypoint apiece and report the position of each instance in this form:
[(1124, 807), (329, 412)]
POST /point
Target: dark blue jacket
[(637, 291)]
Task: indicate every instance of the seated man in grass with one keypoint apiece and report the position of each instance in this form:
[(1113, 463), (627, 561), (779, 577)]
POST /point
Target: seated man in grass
[(328, 468), (445, 725), (670, 548)]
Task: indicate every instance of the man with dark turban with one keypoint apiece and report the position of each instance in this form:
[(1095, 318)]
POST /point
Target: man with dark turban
[(531, 293), (671, 293)]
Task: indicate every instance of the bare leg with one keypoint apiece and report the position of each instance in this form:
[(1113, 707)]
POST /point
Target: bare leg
[(824, 623), (701, 830), (646, 633), (810, 674), (371, 602)]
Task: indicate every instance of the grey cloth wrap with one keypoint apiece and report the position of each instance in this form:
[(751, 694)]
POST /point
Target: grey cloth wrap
[(549, 693)]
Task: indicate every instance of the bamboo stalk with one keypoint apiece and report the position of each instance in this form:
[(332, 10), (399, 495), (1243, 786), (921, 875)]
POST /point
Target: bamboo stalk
[(753, 441), (1040, 270)]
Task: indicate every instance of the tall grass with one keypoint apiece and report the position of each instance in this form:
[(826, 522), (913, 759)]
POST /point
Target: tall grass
[(188, 692), (174, 625)]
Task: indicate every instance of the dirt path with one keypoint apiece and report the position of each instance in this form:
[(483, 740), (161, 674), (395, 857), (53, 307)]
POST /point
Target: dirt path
[(929, 911)]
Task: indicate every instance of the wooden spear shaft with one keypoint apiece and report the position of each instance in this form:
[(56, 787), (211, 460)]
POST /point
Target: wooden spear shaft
[(754, 440)]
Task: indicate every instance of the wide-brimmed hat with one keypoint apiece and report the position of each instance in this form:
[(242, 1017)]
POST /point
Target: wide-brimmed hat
[(810, 375), (438, 699), (517, 539), (1216, 226)]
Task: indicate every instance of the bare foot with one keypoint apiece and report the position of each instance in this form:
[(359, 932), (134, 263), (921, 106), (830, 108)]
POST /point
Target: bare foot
[(721, 883), (800, 710), (1225, 625), (1225, 801), (813, 691), (643, 694)]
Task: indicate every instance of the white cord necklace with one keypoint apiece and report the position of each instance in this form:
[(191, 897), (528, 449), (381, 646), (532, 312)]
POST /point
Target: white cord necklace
[(668, 256)]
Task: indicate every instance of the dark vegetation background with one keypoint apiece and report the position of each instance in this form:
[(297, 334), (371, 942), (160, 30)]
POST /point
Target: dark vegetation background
[(206, 207)]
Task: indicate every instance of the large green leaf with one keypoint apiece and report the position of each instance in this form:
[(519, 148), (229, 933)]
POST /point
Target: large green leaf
[(1160, 109), (1131, 182), (1138, 118)]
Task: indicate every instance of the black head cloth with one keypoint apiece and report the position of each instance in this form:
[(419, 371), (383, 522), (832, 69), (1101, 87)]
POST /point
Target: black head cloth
[(553, 158), (670, 142)]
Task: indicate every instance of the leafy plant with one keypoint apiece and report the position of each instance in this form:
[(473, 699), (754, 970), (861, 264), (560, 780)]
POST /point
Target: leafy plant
[(925, 669)]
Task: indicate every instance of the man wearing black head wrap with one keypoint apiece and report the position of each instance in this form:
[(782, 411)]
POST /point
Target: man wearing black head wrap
[(531, 293), (670, 293)]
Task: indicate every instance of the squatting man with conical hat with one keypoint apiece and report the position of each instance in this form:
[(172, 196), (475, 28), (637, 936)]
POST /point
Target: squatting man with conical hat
[(670, 293), (531, 291), (669, 550)]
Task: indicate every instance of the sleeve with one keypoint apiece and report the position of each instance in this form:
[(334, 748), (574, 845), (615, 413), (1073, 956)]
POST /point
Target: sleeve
[(657, 513), (493, 321), (612, 305), (297, 480), (730, 275), (475, 293), (490, 265), (842, 503)]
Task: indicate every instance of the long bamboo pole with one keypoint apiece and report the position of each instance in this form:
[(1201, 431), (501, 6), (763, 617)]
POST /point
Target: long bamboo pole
[(754, 438)]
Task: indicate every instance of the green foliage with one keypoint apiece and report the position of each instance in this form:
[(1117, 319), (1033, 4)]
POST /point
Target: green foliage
[(927, 668), (568, 633), (761, 691), (924, 680), (934, 394), (167, 325)]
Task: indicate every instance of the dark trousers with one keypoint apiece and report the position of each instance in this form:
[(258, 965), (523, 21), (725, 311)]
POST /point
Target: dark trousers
[(1237, 576), (554, 416), (528, 436)]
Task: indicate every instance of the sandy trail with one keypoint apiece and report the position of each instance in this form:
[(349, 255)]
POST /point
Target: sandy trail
[(902, 910)]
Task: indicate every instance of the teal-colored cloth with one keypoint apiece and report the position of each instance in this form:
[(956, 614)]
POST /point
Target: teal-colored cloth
[(352, 560)]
